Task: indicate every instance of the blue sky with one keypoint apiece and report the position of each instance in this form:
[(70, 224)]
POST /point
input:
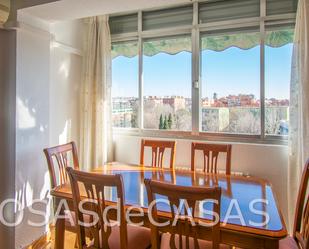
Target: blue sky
[(231, 71)]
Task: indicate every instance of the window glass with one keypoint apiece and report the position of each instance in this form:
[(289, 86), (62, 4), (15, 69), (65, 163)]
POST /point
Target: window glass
[(123, 24), (218, 10), (168, 18), (167, 83), (231, 84), (278, 61), (276, 7), (125, 85)]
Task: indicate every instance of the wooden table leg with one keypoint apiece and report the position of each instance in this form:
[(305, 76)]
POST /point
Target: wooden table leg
[(59, 234)]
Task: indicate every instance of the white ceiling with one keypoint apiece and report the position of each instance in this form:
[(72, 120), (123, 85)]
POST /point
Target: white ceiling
[(73, 9)]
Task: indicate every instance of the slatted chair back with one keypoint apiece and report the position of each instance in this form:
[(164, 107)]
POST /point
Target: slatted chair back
[(157, 152), (179, 196), (58, 159), (211, 153), (89, 190)]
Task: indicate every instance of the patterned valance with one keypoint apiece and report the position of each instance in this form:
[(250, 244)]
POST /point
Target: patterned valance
[(215, 42)]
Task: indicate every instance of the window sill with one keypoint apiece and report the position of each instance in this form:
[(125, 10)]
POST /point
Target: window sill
[(203, 136)]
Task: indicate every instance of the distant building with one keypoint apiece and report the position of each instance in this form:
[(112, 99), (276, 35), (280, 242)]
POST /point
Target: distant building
[(123, 113), (188, 102), (277, 102), (235, 100), (176, 102), (215, 119), (153, 100), (207, 103)]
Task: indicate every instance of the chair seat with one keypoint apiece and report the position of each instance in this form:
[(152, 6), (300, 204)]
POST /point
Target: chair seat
[(288, 243), (138, 238), (203, 244)]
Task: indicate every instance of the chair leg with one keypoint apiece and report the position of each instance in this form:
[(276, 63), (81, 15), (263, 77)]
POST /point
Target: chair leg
[(76, 242)]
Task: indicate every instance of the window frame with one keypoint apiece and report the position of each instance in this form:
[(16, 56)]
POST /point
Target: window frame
[(195, 30)]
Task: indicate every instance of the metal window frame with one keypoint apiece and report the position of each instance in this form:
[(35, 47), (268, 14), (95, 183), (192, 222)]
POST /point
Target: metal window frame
[(262, 66), (195, 31)]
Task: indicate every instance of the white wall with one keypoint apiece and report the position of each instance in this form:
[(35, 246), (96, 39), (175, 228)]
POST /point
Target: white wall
[(47, 113), (265, 161), (66, 69), (32, 128)]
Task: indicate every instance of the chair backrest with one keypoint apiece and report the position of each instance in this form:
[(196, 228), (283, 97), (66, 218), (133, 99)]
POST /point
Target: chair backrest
[(301, 223), (179, 230), (211, 153), (89, 191), (58, 158), (158, 149)]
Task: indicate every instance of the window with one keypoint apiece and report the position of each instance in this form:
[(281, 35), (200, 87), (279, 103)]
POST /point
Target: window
[(278, 60), (123, 24), (207, 68), (168, 18), (275, 7), (125, 85), (167, 84), (231, 83), (218, 10)]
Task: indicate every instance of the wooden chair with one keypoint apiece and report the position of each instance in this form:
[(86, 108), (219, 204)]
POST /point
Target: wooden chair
[(158, 149), (300, 238), (89, 191), (58, 160), (59, 155), (182, 234), (211, 153)]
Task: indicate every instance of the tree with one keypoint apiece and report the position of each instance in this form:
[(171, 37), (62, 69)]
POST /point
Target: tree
[(152, 114), (170, 121), (134, 116), (161, 124), (182, 120), (165, 124)]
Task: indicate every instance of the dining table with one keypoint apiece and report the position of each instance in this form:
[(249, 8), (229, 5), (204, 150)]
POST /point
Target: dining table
[(250, 216)]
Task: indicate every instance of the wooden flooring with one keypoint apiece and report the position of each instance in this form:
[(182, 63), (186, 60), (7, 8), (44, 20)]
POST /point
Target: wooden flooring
[(68, 244)]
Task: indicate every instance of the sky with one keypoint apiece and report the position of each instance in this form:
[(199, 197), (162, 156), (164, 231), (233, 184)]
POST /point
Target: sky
[(232, 71)]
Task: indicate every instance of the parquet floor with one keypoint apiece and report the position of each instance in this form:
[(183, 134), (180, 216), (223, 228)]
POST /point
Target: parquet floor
[(68, 244)]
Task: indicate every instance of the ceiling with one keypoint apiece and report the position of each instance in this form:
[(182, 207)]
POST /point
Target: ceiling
[(73, 9)]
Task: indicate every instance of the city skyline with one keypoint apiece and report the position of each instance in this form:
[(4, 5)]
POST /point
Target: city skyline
[(171, 96), (230, 101), (240, 114)]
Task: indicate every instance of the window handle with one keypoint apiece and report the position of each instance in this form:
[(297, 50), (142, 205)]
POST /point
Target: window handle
[(196, 84)]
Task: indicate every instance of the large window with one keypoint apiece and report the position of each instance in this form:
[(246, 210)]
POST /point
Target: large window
[(167, 84), (277, 82), (215, 68), (125, 85), (231, 83)]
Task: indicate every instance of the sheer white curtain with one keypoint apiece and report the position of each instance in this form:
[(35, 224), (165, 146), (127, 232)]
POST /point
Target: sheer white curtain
[(96, 136), (299, 106)]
